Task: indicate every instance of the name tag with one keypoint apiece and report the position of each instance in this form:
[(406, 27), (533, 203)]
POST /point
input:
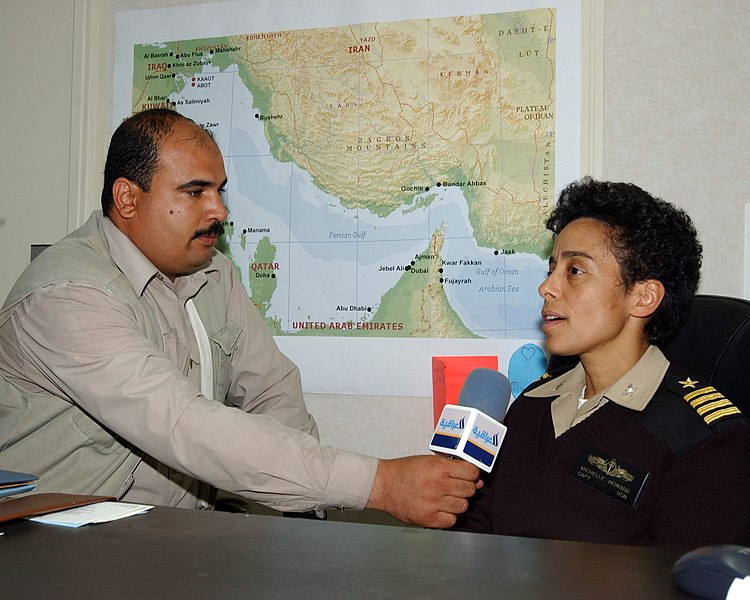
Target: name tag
[(610, 474)]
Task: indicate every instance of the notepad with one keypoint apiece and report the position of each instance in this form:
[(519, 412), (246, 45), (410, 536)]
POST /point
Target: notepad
[(15, 482), (102, 512)]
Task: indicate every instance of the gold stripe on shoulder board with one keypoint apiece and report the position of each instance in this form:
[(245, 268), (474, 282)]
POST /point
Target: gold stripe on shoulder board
[(710, 404)]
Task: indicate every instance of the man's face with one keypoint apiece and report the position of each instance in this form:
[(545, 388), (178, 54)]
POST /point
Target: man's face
[(174, 219), (586, 307)]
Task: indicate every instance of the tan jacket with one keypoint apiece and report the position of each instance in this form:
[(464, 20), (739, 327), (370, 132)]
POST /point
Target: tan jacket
[(82, 418)]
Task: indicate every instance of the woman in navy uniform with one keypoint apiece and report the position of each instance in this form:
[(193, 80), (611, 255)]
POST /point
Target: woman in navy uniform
[(619, 448)]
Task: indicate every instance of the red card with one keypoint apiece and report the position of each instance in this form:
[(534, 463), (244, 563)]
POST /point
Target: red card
[(448, 375)]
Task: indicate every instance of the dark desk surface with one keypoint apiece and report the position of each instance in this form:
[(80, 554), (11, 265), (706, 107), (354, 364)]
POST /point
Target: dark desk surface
[(177, 553)]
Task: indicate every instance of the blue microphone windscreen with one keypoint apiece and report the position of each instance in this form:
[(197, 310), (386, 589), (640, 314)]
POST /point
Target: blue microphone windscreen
[(486, 390)]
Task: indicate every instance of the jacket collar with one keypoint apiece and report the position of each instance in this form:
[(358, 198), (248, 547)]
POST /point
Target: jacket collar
[(633, 390), (138, 269)]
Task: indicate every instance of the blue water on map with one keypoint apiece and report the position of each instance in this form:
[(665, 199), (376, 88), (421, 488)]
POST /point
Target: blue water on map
[(333, 254)]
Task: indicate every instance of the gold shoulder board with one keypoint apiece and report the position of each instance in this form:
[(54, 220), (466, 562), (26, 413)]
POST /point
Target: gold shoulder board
[(710, 404)]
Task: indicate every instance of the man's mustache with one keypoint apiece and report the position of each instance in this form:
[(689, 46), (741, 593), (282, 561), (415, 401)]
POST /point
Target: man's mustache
[(215, 229)]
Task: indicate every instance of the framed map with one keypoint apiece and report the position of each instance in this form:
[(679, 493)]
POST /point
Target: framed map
[(390, 168)]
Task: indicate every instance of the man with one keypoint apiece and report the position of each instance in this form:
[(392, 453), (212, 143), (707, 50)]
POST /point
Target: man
[(618, 449), (134, 364)]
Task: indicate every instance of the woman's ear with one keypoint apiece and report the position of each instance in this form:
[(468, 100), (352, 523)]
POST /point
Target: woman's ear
[(648, 296)]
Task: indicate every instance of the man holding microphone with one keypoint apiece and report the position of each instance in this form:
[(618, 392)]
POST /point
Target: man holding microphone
[(134, 364)]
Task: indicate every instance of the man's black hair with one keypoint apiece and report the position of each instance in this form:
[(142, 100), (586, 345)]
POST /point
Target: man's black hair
[(134, 149), (650, 239)]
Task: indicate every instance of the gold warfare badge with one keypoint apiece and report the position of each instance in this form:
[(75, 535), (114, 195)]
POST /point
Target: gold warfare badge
[(610, 474)]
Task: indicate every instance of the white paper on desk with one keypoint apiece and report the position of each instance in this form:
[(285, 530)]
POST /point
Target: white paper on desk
[(101, 512)]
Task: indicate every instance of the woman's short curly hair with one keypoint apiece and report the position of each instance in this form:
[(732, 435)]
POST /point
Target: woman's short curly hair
[(650, 238)]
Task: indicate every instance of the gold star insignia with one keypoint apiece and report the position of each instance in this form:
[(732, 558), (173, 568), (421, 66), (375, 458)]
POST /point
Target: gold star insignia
[(688, 383)]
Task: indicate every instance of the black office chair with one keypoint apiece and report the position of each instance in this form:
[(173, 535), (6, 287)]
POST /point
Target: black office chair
[(714, 343), (712, 346)]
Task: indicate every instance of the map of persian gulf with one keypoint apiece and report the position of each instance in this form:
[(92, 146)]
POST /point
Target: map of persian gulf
[(386, 179)]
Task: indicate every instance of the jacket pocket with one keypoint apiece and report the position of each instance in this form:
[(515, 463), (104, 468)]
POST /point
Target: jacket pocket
[(223, 341)]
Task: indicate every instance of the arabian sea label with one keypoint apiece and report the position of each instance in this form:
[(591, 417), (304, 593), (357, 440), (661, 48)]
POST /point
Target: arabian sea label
[(610, 474)]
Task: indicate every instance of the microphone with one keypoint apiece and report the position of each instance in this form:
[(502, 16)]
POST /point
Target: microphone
[(472, 430)]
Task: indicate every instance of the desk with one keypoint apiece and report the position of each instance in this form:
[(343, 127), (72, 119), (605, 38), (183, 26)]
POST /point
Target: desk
[(178, 553)]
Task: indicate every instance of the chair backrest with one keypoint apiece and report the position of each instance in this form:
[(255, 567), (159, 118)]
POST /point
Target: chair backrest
[(712, 346), (714, 343)]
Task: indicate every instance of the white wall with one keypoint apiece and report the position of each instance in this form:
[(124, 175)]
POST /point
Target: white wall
[(36, 45), (675, 117), (675, 75)]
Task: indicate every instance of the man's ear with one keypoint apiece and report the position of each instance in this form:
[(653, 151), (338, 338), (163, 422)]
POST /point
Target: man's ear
[(125, 195), (648, 296)]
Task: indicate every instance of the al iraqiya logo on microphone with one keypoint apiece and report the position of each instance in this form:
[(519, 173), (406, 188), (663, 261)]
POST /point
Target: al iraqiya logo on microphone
[(451, 424), (610, 467), (485, 436)]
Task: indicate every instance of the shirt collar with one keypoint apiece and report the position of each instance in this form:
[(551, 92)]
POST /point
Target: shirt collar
[(138, 269), (633, 390)]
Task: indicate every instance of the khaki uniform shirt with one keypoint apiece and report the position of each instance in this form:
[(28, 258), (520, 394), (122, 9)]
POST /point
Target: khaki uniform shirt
[(633, 390), (267, 450)]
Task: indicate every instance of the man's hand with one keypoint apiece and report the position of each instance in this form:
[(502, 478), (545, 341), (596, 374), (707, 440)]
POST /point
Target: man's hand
[(424, 490)]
